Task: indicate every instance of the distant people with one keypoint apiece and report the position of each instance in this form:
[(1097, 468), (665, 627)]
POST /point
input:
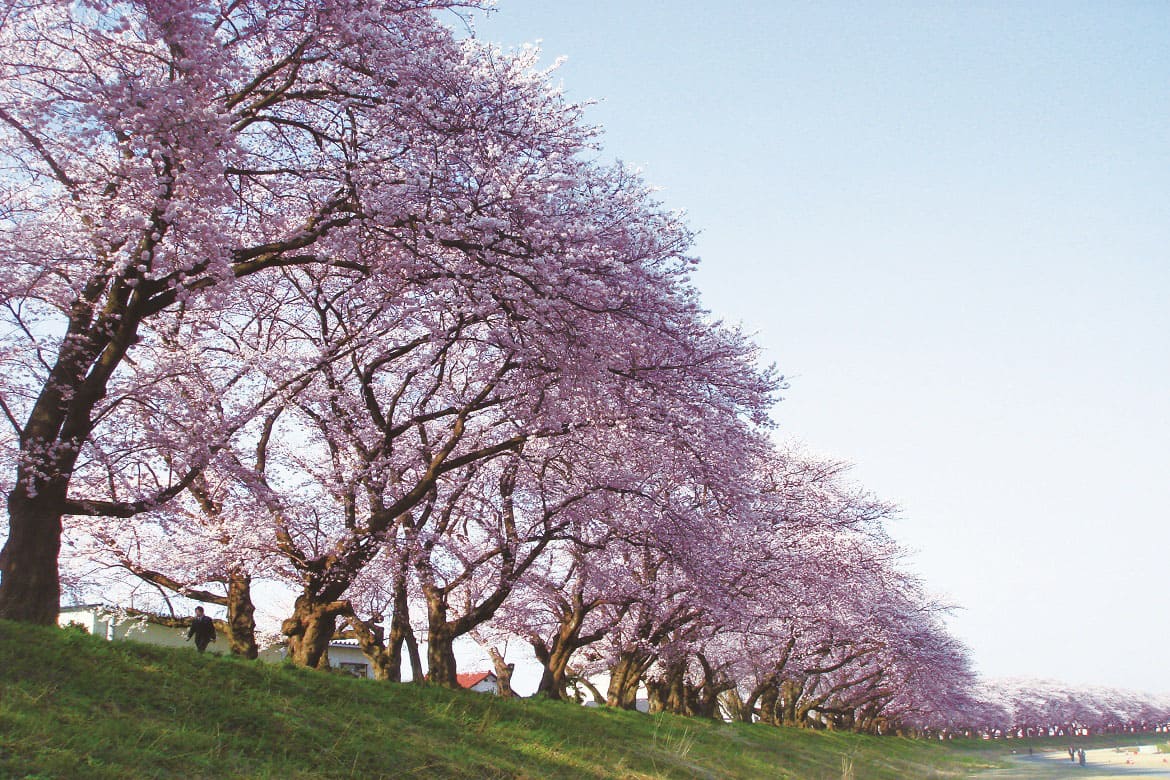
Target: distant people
[(1072, 753), (1081, 756), (202, 630)]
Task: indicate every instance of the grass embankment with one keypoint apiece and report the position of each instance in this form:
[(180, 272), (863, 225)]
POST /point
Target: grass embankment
[(72, 706)]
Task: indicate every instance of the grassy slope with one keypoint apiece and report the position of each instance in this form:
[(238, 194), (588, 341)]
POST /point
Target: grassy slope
[(72, 706)]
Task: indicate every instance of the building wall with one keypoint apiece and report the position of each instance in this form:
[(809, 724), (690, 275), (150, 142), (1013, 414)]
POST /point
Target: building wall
[(86, 617), (485, 686), (97, 620), (154, 634), (350, 659)]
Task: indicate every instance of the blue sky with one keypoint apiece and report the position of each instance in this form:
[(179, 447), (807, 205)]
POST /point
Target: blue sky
[(949, 226)]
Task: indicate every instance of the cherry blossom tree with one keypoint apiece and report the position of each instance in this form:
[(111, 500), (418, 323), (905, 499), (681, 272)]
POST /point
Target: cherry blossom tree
[(206, 543), (156, 152), (165, 153), (412, 426), (1039, 707), (202, 545), (673, 578), (557, 608), (817, 627)]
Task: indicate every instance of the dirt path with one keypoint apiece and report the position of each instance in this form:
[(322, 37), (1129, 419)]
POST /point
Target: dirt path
[(1099, 765)]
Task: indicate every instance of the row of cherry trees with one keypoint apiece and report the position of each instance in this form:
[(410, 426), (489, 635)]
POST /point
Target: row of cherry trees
[(316, 293), (1019, 707)]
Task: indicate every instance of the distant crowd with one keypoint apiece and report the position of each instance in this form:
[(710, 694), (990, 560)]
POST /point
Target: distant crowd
[(1073, 729)]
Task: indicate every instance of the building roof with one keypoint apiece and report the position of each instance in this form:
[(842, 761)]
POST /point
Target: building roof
[(470, 679)]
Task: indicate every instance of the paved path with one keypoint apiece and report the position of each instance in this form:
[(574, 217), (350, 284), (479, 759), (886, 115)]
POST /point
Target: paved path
[(1099, 765)]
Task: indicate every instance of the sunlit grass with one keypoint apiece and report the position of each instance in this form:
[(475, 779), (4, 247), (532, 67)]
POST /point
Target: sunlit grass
[(72, 706)]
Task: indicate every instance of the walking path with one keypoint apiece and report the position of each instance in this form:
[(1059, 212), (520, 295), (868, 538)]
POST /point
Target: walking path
[(1100, 764)]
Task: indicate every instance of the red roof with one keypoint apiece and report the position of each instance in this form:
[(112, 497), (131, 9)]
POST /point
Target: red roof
[(470, 679)]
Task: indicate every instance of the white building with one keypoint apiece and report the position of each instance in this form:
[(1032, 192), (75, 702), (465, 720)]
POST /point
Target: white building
[(480, 682), (114, 624)]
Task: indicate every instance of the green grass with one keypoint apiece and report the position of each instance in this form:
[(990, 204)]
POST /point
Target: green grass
[(72, 706)]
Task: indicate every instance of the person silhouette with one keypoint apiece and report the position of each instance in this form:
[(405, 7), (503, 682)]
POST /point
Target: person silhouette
[(202, 629)]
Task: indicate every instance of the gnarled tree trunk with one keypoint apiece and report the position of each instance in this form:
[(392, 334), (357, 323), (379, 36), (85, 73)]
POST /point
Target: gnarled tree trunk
[(706, 695), (503, 671), (241, 616), (656, 695), (669, 692), (441, 668), (735, 706), (371, 639), (676, 692), (747, 710), (555, 657), (624, 678), (309, 629), (793, 708)]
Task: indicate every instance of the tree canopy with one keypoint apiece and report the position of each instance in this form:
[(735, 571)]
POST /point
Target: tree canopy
[(318, 293)]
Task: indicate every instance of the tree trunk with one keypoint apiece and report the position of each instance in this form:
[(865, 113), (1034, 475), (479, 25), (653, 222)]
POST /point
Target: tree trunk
[(706, 696), (412, 652), (371, 638), (394, 654), (624, 678), (402, 633), (441, 668), (657, 692), (58, 424), (788, 710), (442, 633), (748, 706), (768, 701), (553, 681), (309, 630), (844, 721), (669, 692), (555, 660), (503, 672), (399, 631), (241, 616), (30, 588), (571, 678), (802, 719), (676, 696), (734, 704)]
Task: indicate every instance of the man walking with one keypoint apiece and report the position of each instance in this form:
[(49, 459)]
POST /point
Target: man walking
[(202, 629)]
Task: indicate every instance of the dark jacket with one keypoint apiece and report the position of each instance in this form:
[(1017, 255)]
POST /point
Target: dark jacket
[(203, 629)]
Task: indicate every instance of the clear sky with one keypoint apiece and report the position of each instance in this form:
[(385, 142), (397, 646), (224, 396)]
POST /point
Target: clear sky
[(948, 223)]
